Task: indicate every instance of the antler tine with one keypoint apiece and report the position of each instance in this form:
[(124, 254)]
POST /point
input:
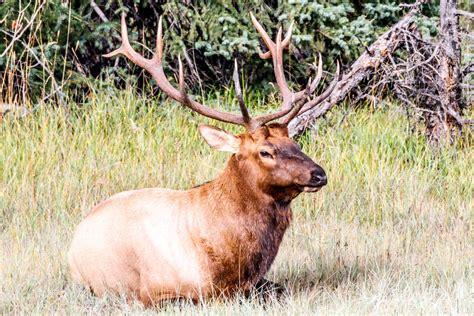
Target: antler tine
[(159, 41), (275, 50), (126, 49), (182, 87), (313, 84), (268, 41), (296, 109), (312, 103), (319, 74), (238, 93), (287, 39), (124, 37), (279, 71), (264, 55), (310, 87), (155, 68)]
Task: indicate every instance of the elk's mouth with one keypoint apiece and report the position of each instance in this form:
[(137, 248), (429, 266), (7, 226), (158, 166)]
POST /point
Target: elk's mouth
[(311, 189)]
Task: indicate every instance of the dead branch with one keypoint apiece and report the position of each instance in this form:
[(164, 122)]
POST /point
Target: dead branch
[(465, 13), (99, 12), (469, 68), (361, 69), (425, 75)]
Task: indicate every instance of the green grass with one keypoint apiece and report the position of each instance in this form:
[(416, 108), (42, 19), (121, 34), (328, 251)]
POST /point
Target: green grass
[(391, 233)]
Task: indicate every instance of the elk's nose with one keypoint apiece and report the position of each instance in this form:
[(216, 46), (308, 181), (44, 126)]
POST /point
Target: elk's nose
[(318, 177)]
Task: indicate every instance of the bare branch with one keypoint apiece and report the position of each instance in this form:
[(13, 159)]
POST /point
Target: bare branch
[(99, 12), (361, 69), (465, 13)]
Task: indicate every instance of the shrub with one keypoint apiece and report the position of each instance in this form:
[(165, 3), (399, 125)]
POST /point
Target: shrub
[(51, 45)]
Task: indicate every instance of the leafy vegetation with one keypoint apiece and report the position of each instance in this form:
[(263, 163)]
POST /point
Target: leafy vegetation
[(391, 233), (51, 45)]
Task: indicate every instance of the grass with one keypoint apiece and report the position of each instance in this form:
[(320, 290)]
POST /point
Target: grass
[(391, 233)]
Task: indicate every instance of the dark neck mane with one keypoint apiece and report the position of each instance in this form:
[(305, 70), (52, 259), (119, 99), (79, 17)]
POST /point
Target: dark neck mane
[(245, 226)]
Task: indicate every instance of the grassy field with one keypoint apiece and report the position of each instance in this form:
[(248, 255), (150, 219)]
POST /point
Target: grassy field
[(391, 233)]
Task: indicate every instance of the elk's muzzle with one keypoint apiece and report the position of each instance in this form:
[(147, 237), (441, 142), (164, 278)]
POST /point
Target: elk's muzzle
[(317, 181)]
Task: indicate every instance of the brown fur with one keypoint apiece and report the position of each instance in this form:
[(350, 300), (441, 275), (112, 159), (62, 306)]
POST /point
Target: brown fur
[(217, 238)]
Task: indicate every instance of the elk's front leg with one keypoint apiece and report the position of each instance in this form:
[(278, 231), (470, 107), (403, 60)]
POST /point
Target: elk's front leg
[(266, 288)]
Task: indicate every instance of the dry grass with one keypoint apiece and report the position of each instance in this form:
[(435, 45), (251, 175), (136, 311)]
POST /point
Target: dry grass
[(391, 233)]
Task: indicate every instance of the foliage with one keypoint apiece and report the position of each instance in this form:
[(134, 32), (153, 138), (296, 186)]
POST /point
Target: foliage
[(69, 38), (43, 42)]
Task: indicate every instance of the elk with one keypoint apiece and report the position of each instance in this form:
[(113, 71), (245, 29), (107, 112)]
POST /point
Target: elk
[(216, 239)]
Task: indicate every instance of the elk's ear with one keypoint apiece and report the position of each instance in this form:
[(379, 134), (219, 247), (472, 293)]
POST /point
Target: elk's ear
[(219, 139)]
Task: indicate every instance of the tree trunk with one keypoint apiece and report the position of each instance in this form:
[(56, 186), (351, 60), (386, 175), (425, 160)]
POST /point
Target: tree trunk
[(442, 127)]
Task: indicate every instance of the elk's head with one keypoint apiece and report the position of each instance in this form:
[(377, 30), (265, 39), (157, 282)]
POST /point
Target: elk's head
[(275, 159), (271, 157)]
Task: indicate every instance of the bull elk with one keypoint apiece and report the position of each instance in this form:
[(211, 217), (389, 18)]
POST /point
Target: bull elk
[(219, 238)]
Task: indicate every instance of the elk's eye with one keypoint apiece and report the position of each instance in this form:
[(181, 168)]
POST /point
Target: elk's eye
[(265, 154)]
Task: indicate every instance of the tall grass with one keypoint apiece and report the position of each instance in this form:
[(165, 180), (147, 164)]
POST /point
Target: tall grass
[(392, 231)]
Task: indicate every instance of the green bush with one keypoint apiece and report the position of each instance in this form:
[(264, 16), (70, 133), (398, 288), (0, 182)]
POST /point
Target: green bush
[(69, 37)]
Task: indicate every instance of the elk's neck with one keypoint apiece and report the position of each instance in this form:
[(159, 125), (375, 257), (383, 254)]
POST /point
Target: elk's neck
[(245, 227)]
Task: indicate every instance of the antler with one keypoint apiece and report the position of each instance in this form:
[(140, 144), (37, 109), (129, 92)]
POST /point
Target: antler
[(286, 111), (155, 67), (275, 51)]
